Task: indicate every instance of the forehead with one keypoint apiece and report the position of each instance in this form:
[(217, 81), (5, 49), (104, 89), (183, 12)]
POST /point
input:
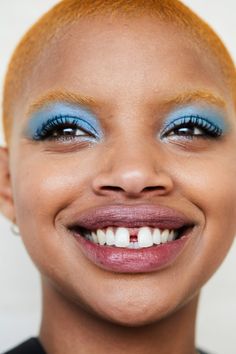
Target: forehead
[(125, 59)]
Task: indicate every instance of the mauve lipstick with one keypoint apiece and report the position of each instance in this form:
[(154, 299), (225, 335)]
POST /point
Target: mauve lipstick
[(124, 260)]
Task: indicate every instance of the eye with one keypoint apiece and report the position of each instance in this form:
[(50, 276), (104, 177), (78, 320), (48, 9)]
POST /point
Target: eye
[(65, 128), (191, 127)]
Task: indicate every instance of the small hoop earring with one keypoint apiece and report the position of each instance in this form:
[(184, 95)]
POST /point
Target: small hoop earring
[(15, 229)]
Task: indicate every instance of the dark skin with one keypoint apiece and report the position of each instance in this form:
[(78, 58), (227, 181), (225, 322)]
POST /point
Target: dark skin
[(88, 309)]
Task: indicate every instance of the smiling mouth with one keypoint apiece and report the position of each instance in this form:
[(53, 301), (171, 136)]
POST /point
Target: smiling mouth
[(131, 238)]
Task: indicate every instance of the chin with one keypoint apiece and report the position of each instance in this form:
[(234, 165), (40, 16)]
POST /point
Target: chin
[(135, 313), (127, 319)]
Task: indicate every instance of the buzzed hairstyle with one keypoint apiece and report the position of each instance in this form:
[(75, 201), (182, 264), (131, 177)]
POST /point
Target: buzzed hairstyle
[(47, 29)]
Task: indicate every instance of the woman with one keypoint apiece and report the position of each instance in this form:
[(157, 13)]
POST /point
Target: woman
[(120, 126)]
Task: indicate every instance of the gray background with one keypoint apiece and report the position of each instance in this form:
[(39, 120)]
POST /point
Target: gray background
[(19, 280)]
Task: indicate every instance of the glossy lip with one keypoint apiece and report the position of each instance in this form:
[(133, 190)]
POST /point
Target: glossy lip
[(124, 260), (130, 216)]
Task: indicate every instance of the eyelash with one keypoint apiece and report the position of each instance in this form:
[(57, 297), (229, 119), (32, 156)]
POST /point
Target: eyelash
[(58, 123), (209, 129)]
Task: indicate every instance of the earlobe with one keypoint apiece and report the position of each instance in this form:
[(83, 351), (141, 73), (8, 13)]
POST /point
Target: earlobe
[(6, 200)]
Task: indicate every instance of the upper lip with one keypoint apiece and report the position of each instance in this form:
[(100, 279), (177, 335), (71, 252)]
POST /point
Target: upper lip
[(155, 216)]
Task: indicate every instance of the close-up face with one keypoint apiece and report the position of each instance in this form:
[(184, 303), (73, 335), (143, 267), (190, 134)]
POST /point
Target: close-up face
[(122, 163)]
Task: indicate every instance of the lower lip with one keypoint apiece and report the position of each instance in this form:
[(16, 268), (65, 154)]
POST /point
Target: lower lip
[(123, 260)]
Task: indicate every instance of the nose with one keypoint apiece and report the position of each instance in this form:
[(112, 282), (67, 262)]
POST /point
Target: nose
[(135, 171)]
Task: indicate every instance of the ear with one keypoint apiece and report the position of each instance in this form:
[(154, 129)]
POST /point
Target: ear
[(6, 200)]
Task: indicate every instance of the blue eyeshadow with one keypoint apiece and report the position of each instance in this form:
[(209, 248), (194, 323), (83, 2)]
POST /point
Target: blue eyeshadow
[(211, 115), (86, 119)]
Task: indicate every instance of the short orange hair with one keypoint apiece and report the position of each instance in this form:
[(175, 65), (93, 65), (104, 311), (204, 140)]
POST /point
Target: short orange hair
[(69, 11)]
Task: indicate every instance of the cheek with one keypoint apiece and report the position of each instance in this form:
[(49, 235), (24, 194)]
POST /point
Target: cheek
[(207, 179), (209, 184), (44, 187)]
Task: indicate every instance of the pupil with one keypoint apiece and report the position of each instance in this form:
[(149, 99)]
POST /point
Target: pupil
[(67, 131), (185, 131), (64, 131)]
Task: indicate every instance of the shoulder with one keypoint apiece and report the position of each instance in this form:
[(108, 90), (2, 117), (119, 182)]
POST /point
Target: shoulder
[(31, 346)]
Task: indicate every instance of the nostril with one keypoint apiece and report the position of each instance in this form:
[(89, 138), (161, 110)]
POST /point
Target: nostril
[(132, 182), (112, 188), (153, 188), (120, 189)]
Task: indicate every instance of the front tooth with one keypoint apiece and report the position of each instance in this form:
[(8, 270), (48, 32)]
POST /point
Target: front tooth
[(145, 237), (171, 235), (164, 236), (122, 237), (156, 237), (101, 237), (110, 237)]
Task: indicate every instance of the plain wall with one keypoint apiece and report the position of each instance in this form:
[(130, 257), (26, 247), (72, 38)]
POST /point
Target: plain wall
[(19, 280)]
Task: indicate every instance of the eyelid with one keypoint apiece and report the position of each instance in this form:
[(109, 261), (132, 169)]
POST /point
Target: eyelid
[(191, 118), (45, 132), (197, 116), (74, 118), (209, 128), (212, 115), (61, 109)]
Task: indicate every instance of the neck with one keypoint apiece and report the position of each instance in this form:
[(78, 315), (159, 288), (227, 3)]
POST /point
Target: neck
[(68, 328)]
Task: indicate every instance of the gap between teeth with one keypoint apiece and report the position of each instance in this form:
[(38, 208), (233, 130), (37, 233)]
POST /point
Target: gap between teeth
[(120, 237)]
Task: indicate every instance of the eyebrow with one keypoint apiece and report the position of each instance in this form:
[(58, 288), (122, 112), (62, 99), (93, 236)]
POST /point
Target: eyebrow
[(192, 96), (60, 96), (77, 99)]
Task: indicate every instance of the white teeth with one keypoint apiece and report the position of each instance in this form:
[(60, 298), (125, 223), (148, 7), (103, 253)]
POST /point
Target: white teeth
[(122, 237), (133, 245), (101, 237), (145, 237), (157, 237), (164, 236), (94, 237), (171, 236), (110, 237)]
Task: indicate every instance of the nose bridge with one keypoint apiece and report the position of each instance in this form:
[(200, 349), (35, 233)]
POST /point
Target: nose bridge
[(134, 155), (134, 164), (133, 141)]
